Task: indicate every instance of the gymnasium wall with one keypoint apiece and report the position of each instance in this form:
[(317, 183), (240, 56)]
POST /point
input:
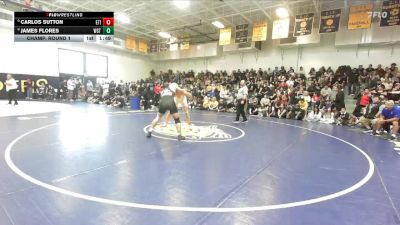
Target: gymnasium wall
[(322, 54), (42, 58)]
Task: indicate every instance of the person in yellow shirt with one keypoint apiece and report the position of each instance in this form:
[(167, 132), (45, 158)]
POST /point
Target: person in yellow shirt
[(303, 104), (213, 105), (206, 102), (302, 110)]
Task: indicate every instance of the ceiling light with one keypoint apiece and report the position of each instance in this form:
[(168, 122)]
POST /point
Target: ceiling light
[(123, 18), (181, 4), (164, 34), (218, 24), (282, 12)]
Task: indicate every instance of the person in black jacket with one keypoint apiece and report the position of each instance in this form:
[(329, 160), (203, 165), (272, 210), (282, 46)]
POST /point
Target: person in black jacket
[(371, 115), (339, 100), (342, 117)]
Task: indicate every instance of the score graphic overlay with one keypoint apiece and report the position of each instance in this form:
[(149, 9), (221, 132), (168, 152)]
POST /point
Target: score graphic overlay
[(63, 26)]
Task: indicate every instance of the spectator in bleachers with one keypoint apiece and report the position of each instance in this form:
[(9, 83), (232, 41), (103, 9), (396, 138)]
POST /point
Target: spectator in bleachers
[(389, 117)]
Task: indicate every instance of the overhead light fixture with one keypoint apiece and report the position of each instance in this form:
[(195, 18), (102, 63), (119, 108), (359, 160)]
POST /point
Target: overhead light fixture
[(164, 34), (181, 4), (123, 18), (282, 12), (218, 24)]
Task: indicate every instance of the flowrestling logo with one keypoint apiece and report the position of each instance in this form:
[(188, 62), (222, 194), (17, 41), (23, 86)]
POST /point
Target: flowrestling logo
[(198, 132)]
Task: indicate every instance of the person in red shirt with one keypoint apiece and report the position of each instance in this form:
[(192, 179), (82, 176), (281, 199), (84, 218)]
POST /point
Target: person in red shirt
[(364, 100)]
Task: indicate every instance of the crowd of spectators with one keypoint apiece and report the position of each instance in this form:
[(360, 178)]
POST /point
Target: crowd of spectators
[(317, 95)]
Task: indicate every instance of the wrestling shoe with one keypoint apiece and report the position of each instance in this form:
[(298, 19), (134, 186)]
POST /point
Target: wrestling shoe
[(236, 121), (376, 133), (149, 134), (245, 121)]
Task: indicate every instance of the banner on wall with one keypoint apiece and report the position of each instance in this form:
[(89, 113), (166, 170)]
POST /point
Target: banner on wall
[(280, 28), (153, 46), (303, 24), (360, 17), (390, 15), (241, 33), (259, 31), (185, 45), (164, 46), (142, 46), (225, 36), (330, 21), (130, 43)]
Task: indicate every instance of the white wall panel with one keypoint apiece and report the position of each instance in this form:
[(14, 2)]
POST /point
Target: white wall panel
[(42, 58)]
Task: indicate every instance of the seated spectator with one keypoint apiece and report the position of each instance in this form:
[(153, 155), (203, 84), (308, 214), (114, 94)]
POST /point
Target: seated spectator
[(206, 102), (389, 117), (315, 115), (213, 104), (118, 101), (326, 92), (282, 111), (342, 118), (301, 111), (371, 116), (328, 116)]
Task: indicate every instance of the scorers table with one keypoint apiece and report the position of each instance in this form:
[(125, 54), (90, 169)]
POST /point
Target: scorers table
[(63, 26)]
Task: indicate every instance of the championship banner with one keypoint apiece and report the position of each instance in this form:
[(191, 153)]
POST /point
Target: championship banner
[(164, 46), (130, 43), (280, 28), (225, 36), (303, 24), (390, 15), (259, 31), (143, 46), (360, 17), (241, 33), (153, 46), (185, 45), (330, 21)]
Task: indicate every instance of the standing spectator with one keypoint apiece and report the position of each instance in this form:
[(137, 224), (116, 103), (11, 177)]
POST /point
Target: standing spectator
[(364, 100), (339, 99), (71, 87), (11, 88), (157, 93), (29, 86), (352, 81), (241, 102), (89, 87), (76, 89)]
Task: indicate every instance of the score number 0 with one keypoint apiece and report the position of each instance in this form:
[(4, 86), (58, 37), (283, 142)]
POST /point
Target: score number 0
[(108, 22)]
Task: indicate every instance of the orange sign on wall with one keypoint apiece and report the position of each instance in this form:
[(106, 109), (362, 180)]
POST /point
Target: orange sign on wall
[(360, 17), (142, 46), (130, 43)]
